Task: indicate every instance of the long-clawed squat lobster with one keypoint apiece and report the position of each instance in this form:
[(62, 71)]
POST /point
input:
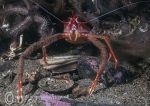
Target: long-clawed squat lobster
[(74, 32)]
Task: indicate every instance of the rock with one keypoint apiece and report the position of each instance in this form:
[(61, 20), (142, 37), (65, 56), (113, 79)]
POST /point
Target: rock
[(53, 85), (61, 64)]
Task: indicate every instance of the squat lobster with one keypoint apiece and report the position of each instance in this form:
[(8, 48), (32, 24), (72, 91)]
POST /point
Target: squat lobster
[(74, 32)]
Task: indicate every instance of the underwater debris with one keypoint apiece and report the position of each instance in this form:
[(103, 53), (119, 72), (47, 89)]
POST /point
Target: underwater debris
[(53, 85), (31, 76), (87, 66), (7, 78), (31, 15), (82, 88), (53, 99), (66, 63)]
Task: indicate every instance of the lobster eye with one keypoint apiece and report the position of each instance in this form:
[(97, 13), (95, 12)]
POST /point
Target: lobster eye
[(77, 20)]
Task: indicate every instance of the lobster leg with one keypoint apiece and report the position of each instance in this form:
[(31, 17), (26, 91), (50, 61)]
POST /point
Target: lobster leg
[(44, 55), (112, 54), (47, 41), (107, 41), (104, 56)]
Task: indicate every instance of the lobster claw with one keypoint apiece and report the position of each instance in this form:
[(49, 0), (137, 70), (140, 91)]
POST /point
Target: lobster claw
[(113, 57), (19, 99), (92, 87), (19, 93)]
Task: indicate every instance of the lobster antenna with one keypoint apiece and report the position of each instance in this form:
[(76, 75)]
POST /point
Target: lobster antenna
[(93, 18), (46, 10), (117, 10)]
